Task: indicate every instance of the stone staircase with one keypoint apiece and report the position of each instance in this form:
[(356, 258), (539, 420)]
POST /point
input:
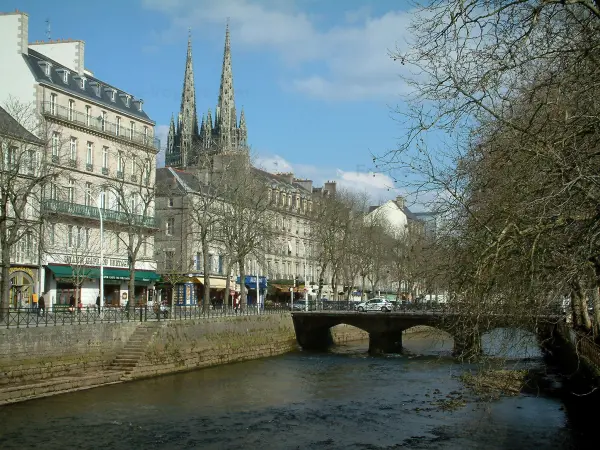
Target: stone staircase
[(126, 361)]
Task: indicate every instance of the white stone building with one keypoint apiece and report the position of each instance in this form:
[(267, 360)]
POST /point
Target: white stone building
[(103, 146)]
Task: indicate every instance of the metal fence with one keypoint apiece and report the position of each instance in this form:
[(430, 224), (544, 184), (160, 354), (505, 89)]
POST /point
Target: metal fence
[(61, 315)]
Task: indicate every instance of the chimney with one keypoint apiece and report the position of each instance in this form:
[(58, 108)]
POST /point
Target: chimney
[(14, 28), (288, 177), (306, 184), (330, 187), (401, 202)]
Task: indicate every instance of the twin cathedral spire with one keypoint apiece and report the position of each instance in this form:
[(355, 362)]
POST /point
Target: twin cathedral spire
[(221, 134)]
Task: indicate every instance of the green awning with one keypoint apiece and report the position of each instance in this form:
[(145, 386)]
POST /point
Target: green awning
[(93, 273)]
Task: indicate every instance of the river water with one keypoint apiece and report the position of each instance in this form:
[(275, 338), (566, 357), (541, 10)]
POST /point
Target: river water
[(343, 399)]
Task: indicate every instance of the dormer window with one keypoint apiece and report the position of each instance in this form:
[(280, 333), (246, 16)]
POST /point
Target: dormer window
[(81, 81), (46, 66), (111, 93), (97, 87), (66, 77), (126, 98), (138, 103)]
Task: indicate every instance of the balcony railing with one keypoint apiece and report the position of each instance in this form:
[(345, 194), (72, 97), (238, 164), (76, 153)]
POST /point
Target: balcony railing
[(97, 124), (92, 212)]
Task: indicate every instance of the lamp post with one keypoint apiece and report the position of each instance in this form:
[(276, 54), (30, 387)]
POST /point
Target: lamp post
[(305, 288), (101, 200), (257, 289)]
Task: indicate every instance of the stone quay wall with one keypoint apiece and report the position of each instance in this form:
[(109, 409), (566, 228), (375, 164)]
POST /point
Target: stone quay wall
[(41, 353)]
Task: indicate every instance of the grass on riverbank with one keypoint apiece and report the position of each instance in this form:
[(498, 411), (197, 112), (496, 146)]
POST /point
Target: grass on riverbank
[(495, 383)]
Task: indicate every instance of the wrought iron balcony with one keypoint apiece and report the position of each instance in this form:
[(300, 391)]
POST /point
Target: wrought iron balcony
[(50, 206), (99, 125)]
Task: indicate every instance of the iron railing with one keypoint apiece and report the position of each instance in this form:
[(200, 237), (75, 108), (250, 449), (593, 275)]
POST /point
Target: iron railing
[(57, 315), (99, 125), (92, 212)]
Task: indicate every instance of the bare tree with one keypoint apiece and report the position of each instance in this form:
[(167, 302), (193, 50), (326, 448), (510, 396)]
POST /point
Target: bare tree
[(247, 220), (27, 144), (133, 194)]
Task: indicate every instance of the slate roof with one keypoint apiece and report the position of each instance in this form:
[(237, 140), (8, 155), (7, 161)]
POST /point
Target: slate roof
[(74, 86), (277, 181), (11, 128), (164, 175)]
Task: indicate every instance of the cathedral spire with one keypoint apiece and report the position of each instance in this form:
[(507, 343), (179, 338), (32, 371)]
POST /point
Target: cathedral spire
[(171, 137), (226, 117), (188, 121), (242, 131)]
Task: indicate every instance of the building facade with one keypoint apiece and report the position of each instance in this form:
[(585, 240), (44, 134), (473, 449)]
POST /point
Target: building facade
[(20, 173), (102, 145)]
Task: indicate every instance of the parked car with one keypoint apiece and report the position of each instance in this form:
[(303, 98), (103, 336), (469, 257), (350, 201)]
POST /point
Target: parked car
[(375, 304)]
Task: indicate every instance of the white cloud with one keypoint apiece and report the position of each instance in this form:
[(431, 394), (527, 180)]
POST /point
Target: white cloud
[(353, 55), (378, 186)]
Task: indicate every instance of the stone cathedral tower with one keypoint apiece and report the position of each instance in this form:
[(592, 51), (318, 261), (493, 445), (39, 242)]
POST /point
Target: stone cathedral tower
[(218, 135)]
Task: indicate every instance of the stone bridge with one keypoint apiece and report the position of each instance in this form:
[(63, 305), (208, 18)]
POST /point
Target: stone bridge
[(385, 329)]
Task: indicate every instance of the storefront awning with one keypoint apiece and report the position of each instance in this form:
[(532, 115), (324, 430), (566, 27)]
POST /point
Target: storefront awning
[(93, 273), (215, 283)]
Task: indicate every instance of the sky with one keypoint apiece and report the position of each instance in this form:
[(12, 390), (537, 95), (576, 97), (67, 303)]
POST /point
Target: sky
[(315, 78)]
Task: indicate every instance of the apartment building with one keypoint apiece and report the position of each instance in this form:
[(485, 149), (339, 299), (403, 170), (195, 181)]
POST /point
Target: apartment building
[(102, 145)]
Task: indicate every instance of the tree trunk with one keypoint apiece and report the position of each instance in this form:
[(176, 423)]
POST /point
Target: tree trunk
[(362, 288), (227, 283), (321, 275), (206, 272), (244, 297), (131, 286), (595, 300), (576, 309), (5, 282)]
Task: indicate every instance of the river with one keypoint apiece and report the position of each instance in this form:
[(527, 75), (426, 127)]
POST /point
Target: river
[(343, 399)]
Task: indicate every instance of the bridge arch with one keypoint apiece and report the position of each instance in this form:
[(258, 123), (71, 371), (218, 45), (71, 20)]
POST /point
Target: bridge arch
[(427, 339)]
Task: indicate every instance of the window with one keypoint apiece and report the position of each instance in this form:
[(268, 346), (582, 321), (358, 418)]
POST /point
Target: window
[(73, 149), (70, 239), (220, 267), (133, 167), (145, 248), (105, 157), (103, 121), (71, 109), (127, 100), (52, 233), (82, 83), (88, 194), (55, 144), (65, 76), (53, 104), (117, 241), (118, 125), (170, 226), (89, 160), (53, 191), (87, 236), (170, 202), (112, 95), (79, 237), (210, 263), (120, 162), (132, 129), (169, 256), (71, 191), (198, 265), (145, 134), (88, 115), (103, 199)]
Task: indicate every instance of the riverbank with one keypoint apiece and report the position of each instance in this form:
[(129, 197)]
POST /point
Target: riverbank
[(39, 362)]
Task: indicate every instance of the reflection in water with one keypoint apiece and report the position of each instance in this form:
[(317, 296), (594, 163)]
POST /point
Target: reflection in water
[(339, 400)]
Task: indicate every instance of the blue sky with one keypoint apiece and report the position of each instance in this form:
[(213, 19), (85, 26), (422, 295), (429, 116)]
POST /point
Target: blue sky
[(314, 77)]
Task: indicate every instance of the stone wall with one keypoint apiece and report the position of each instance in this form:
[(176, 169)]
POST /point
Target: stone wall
[(346, 333), (192, 344), (31, 354)]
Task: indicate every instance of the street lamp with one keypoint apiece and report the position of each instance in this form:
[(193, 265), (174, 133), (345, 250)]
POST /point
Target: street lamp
[(305, 288), (101, 201)]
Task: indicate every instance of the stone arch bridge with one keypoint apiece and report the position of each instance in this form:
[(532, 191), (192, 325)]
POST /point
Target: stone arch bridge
[(313, 328)]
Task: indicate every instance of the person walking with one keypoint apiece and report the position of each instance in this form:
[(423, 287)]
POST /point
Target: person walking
[(41, 305), (98, 305)]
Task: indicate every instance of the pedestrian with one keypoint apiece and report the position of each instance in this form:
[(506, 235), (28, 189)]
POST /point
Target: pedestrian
[(79, 306), (72, 303), (41, 305), (98, 305), (236, 301)]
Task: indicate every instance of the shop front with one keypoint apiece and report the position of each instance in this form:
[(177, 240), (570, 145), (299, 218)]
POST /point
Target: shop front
[(250, 283), (22, 287), (63, 282)]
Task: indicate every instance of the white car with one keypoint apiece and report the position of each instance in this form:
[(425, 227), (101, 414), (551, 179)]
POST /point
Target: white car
[(375, 304)]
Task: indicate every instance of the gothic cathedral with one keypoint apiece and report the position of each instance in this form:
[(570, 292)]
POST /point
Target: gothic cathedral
[(186, 143)]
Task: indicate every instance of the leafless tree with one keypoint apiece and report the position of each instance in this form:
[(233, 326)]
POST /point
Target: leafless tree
[(132, 192), (26, 167)]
